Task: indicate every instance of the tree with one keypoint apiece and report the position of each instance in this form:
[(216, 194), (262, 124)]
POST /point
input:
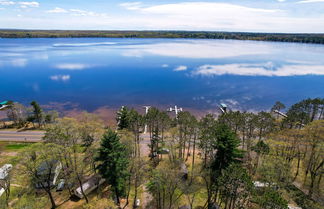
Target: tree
[(51, 116), (69, 133), (271, 199), (277, 107), (165, 185), (136, 121), (225, 148), (260, 148), (113, 163), (37, 113), (304, 112), (236, 187), (64, 132), (39, 163), (275, 170), (265, 124), (314, 133), (18, 114), (187, 124), (122, 118), (206, 137)]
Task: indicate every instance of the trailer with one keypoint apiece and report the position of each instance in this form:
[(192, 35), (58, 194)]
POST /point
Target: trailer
[(91, 184)]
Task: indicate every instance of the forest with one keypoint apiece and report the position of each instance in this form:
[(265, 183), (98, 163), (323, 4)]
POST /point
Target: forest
[(280, 37), (269, 159)]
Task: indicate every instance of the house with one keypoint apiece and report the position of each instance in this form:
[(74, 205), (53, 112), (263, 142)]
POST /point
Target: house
[(48, 171), (4, 173)]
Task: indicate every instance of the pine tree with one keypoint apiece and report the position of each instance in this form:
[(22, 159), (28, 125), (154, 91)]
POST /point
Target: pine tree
[(122, 118), (113, 163), (38, 112), (227, 149)]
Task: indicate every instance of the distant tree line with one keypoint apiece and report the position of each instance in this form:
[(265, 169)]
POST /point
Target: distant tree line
[(280, 37)]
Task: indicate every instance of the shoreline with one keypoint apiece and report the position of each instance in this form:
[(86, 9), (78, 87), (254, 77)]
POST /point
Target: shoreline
[(306, 38)]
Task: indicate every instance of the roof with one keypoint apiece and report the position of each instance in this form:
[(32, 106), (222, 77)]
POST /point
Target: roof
[(44, 167), (3, 103), (4, 171), (223, 105)]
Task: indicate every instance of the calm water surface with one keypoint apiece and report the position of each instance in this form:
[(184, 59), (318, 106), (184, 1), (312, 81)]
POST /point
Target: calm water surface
[(198, 74)]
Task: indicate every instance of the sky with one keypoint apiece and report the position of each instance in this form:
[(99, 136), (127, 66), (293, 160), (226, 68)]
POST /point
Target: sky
[(282, 16)]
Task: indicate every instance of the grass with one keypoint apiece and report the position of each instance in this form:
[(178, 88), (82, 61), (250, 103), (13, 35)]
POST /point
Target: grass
[(19, 146)]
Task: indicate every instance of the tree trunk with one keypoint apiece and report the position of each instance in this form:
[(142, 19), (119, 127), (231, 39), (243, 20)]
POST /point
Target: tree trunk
[(84, 195), (298, 166), (193, 157), (48, 191), (117, 198), (311, 188)]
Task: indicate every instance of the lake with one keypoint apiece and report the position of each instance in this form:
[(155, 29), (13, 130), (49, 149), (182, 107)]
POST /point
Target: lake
[(89, 73)]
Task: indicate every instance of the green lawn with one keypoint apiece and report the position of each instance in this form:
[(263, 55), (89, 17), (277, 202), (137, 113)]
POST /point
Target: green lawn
[(17, 146)]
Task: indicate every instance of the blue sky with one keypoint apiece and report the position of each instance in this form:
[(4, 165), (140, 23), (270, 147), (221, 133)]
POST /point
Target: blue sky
[(290, 16)]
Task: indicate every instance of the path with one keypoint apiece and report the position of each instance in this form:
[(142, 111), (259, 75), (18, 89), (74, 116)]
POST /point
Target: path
[(145, 150)]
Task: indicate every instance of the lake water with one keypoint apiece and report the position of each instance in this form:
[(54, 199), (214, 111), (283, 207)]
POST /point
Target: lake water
[(197, 74)]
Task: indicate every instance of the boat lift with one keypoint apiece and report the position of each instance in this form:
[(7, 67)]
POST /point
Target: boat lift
[(223, 107), (176, 110)]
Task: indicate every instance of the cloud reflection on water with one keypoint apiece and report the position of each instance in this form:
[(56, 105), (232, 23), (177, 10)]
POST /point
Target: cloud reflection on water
[(259, 70)]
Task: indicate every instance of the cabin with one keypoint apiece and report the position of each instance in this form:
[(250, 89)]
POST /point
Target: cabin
[(4, 171), (47, 169), (91, 184)]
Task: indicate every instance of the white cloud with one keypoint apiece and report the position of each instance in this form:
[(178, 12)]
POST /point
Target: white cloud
[(219, 16), (72, 66), (195, 16), (281, 0), (6, 3), (60, 77), (57, 10), (19, 62), (165, 65), (199, 49), (15, 62), (181, 68), (80, 12), (131, 5), (28, 4), (259, 70), (310, 1)]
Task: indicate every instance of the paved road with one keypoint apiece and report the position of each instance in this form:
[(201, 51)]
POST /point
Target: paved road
[(28, 136)]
